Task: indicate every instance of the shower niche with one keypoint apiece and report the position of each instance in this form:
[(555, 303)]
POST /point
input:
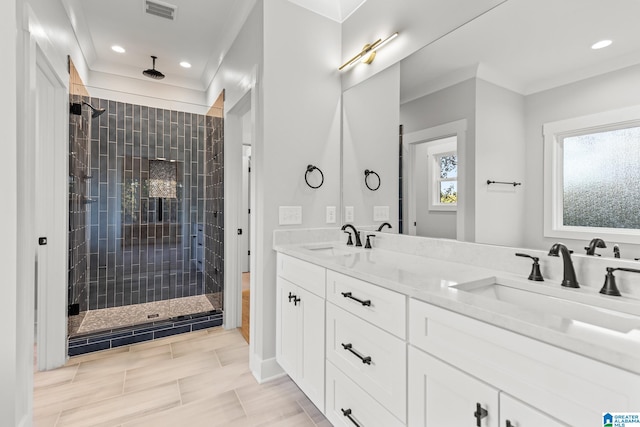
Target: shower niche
[(152, 222)]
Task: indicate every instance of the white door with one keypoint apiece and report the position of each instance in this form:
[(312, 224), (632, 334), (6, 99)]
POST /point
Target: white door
[(50, 216), (514, 413), (441, 395), (311, 359), (287, 339)]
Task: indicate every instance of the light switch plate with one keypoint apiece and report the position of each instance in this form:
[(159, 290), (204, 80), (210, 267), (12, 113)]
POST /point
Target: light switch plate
[(381, 213), (348, 214), (290, 215), (331, 214)]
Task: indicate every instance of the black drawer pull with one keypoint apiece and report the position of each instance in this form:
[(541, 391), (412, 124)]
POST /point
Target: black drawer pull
[(365, 359), (349, 295), (509, 424), (347, 413), (480, 414)]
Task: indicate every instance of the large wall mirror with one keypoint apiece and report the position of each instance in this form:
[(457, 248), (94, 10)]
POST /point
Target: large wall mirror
[(472, 106)]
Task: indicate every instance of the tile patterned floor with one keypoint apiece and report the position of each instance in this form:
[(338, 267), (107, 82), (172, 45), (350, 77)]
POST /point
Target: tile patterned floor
[(196, 379), (129, 315)]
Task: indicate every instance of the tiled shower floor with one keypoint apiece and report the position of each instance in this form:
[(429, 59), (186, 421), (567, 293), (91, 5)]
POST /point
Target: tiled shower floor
[(126, 316)]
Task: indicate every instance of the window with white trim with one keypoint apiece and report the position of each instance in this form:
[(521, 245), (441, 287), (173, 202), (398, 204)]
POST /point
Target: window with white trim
[(446, 182), (592, 175), (443, 185)]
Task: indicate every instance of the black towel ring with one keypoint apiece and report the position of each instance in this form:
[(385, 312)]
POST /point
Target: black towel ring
[(311, 168), (368, 172)]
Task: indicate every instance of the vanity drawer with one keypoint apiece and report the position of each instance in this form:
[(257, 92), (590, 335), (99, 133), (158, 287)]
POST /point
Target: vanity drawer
[(343, 395), (304, 274), (384, 308), (374, 359)]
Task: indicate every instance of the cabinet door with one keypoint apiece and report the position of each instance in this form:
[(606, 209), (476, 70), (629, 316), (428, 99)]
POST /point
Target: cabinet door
[(514, 413), (287, 337), (441, 395), (311, 351)]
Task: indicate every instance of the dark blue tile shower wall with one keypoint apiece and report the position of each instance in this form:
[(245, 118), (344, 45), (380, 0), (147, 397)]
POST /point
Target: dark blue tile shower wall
[(141, 250), (79, 129), (214, 206)]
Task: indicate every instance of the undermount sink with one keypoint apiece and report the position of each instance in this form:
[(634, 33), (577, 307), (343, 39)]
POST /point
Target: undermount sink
[(331, 250), (594, 310)]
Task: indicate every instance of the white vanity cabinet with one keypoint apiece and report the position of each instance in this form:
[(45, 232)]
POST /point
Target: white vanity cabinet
[(441, 395), (368, 356), (366, 342), (514, 413), (300, 311), (532, 383)]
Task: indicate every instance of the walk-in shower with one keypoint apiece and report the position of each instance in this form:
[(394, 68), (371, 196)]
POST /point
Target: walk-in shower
[(145, 223)]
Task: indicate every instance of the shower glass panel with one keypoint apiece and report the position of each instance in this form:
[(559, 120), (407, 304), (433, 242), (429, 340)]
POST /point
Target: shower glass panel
[(145, 216)]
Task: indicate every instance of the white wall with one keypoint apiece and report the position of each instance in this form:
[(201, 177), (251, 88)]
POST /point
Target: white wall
[(610, 91), (370, 141), (456, 102), (301, 119), (245, 55), (141, 92), (419, 23), (500, 156), (10, 394)]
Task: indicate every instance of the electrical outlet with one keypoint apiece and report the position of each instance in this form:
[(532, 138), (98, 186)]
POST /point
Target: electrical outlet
[(348, 214), (290, 215), (331, 214), (381, 213)]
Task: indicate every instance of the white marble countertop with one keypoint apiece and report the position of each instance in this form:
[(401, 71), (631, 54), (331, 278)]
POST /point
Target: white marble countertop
[(429, 279)]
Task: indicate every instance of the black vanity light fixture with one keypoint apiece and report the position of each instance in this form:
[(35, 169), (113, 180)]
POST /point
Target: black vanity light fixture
[(368, 52), (76, 108), (367, 174), (311, 168)]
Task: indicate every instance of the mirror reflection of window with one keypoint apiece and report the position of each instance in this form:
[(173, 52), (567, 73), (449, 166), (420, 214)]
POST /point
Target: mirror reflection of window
[(447, 183)]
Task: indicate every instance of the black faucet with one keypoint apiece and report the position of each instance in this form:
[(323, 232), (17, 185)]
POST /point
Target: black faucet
[(383, 225), (595, 243), (535, 275), (609, 287), (355, 232), (569, 280), (616, 251)]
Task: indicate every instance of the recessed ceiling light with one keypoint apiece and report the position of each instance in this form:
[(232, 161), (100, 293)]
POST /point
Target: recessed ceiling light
[(185, 64), (117, 48), (601, 44)]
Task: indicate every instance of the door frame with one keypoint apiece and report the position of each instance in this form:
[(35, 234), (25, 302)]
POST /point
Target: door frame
[(458, 129), (233, 142)]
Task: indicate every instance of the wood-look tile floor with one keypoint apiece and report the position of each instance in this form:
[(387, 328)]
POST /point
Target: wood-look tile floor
[(196, 379)]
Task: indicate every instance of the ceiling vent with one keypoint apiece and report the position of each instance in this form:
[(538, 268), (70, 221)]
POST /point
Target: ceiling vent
[(163, 10)]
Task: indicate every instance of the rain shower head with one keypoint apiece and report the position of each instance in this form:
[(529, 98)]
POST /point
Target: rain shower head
[(152, 72), (76, 108)]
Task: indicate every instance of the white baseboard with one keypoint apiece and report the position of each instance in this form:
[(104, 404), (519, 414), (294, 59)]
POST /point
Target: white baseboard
[(25, 422), (265, 370)]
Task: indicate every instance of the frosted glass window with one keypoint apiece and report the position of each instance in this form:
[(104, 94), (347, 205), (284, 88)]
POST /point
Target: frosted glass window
[(601, 179)]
